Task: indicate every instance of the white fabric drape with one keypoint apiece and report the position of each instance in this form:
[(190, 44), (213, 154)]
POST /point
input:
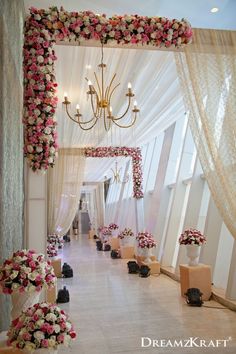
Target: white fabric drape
[(64, 183), (207, 75)]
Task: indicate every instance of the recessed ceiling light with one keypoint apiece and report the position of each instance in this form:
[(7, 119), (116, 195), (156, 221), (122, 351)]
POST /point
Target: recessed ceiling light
[(214, 9)]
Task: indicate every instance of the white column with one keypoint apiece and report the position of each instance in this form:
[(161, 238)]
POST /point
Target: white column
[(36, 210), (231, 286)]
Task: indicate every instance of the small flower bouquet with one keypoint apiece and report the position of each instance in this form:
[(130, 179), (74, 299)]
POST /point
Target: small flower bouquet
[(40, 326), (26, 271), (145, 240), (125, 233), (192, 237), (105, 231), (113, 226), (51, 250), (55, 240)]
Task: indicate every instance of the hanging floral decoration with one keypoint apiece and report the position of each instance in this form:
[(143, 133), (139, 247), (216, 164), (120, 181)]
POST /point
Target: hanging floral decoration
[(134, 153), (43, 28)]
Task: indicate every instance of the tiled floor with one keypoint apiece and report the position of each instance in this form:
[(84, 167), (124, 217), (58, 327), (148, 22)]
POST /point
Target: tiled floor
[(112, 310)]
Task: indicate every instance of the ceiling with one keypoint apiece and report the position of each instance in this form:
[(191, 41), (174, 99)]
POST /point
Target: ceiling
[(152, 73)]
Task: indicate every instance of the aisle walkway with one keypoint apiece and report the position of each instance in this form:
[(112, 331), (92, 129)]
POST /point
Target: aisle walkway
[(112, 309)]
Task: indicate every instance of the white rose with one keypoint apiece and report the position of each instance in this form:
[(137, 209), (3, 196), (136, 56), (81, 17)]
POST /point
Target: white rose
[(51, 317), (68, 326), (98, 28), (37, 112), (112, 33), (39, 120), (56, 328), (30, 148), (32, 81), (37, 17), (32, 276), (86, 30), (39, 149), (52, 150), (31, 121), (67, 340), (40, 59), (51, 343), (29, 347), (131, 27), (14, 274), (31, 288), (39, 323), (15, 286), (48, 108), (140, 29), (39, 335), (47, 130), (50, 160), (77, 29)]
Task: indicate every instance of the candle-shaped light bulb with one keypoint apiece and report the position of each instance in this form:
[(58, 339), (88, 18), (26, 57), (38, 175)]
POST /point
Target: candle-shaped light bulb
[(110, 111), (77, 107), (89, 83), (129, 85), (135, 104), (65, 96)]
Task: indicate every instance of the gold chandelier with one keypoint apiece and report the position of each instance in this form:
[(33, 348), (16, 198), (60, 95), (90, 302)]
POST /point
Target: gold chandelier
[(116, 176), (100, 99)]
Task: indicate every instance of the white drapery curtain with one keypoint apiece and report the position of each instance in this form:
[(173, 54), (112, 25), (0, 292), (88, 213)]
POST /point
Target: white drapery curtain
[(207, 74), (64, 184), (96, 204)]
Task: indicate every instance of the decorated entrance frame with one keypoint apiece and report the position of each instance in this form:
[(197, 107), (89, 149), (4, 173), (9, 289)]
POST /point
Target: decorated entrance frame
[(134, 153), (45, 28)]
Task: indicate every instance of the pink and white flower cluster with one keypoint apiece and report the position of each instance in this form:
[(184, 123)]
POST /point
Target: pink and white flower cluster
[(26, 271), (126, 233), (43, 29), (145, 240), (112, 226), (55, 240), (105, 231), (51, 250), (134, 153), (192, 237), (41, 326)]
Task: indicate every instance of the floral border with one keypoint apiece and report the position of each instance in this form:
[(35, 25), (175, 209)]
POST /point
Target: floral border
[(134, 153), (43, 28)]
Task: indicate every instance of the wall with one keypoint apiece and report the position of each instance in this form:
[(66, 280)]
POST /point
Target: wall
[(11, 136)]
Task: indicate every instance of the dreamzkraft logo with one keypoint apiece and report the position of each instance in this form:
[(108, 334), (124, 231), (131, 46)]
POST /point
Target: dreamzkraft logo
[(190, 342)]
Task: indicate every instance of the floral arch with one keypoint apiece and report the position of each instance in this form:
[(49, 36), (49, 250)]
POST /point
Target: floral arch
[(45, 28)]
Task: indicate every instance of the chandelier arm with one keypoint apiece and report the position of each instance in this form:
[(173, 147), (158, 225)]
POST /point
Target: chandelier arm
[(107, 127), (109, 88), (126, 111), (110, 94), (89, 127), (74, 120), (99, 88), (95, 113), (126, 126)]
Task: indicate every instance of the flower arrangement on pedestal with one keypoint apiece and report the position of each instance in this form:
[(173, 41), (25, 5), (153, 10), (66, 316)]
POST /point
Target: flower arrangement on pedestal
[(105, 231), (51, 250), (145, 240), (26, 271), (55, 240), (193, 240), (41, 326), (192, 237), (125, 233), (113, 226)]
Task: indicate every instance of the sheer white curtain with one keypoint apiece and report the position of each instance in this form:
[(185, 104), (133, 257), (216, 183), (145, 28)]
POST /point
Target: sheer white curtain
[(207, 73), (64, 184)]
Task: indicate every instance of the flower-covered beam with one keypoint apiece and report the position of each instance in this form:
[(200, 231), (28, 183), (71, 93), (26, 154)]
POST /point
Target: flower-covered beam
[(43, 29), (134, 153)]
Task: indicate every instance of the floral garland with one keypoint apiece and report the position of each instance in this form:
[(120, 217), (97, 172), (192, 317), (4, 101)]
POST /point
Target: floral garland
[(42, 29), (145, 240), (41, 326), (192, 237), (26, 271), (134, 153), (126, 233)]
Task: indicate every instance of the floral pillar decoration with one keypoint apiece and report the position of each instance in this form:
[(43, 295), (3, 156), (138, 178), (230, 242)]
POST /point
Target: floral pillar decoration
[(134, 153), (43, 28)]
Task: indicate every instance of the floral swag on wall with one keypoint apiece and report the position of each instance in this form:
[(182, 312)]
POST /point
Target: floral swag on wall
[(43, 29), (134, 153)]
